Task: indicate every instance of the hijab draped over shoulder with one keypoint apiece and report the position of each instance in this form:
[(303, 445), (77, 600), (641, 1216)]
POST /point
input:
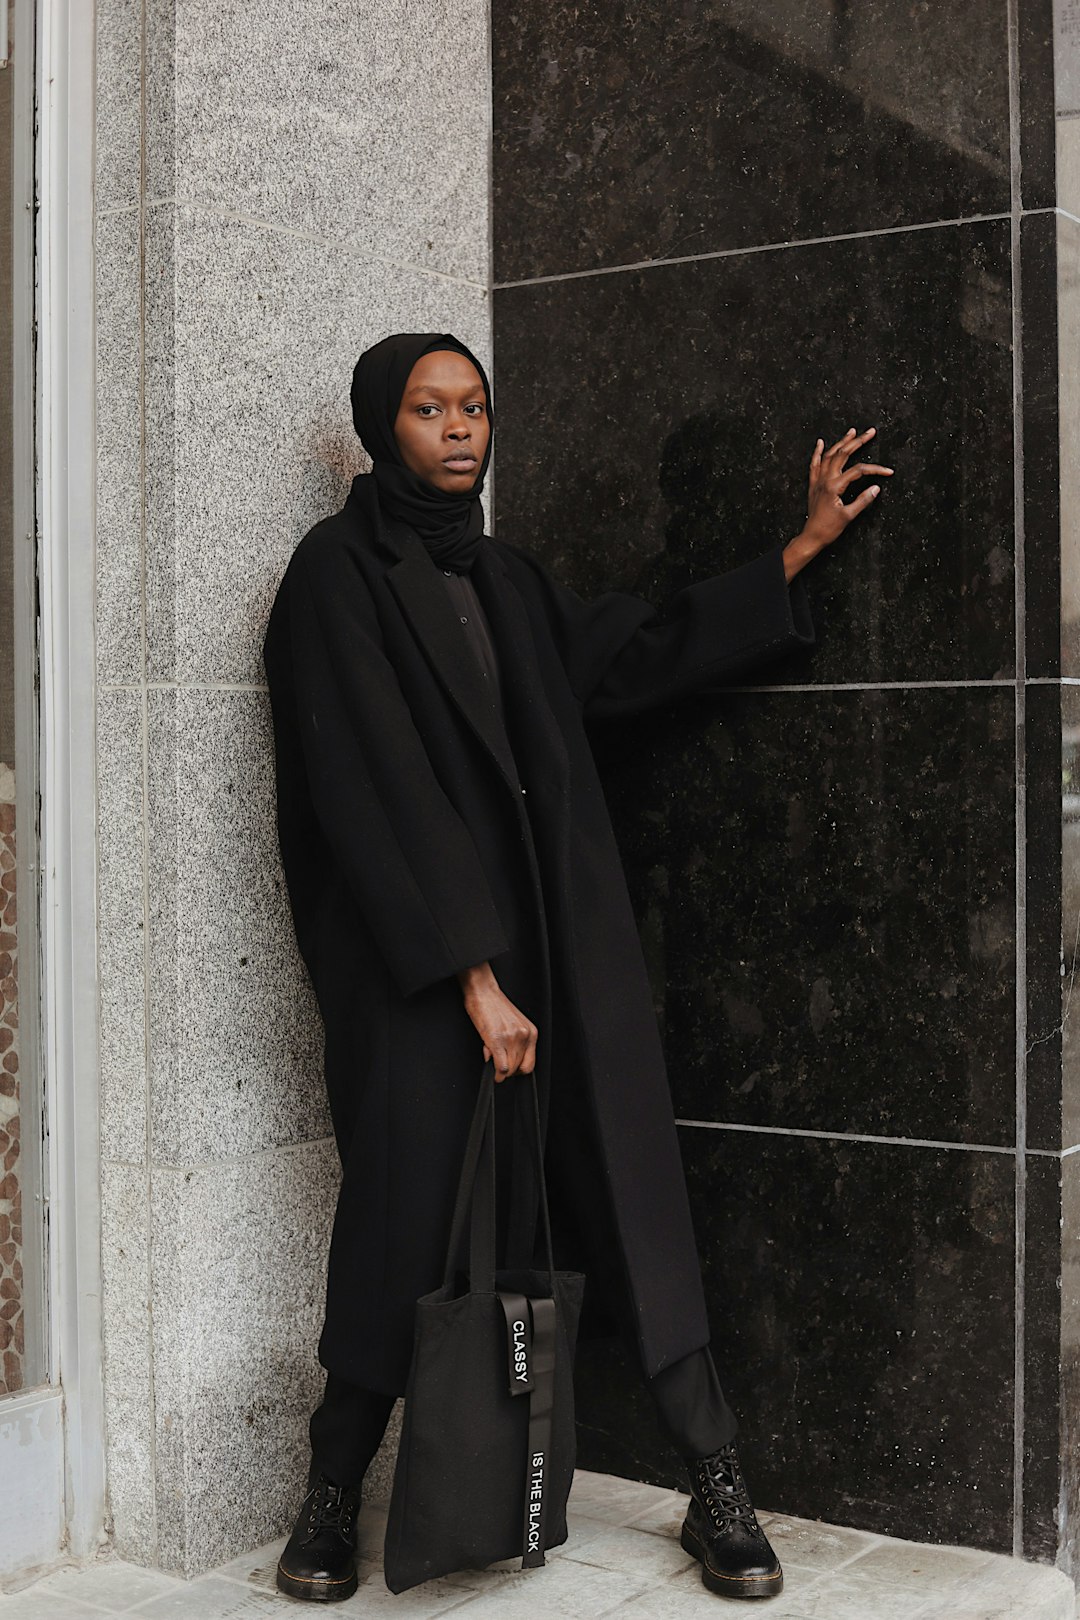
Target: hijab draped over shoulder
[(451, 525)]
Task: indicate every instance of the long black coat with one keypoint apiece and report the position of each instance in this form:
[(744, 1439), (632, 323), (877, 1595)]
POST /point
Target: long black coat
[(419, 836)]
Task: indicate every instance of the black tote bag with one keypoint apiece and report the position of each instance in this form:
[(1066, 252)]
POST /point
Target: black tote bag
[(487, 1450)]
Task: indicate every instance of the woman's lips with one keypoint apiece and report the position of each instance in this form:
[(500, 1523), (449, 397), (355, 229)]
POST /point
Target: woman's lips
[(460, 463)]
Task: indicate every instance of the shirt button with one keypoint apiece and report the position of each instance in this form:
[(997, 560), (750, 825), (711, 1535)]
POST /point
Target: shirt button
[(523, 790), (464, 618)]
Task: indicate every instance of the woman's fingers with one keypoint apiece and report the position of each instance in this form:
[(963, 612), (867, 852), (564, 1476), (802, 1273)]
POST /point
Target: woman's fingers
[(862, 469), (861, 502), (849, 443), (833, 448)]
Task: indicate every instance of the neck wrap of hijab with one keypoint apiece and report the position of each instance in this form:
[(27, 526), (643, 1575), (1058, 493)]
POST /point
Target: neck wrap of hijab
[(450, 525)]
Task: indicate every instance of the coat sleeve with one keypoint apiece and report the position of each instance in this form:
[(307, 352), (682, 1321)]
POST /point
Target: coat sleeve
[(623, 656), (407, 856)]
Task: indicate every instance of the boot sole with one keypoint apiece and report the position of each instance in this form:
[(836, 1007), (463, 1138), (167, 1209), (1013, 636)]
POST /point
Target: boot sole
[(733, 1586), (298, 1586)]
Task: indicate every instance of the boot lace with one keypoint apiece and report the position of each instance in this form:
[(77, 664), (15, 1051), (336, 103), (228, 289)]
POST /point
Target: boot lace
[(723, 1490), (332, 1507)]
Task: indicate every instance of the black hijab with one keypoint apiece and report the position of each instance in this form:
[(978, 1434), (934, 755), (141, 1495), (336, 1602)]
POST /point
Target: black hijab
[(451, 526)]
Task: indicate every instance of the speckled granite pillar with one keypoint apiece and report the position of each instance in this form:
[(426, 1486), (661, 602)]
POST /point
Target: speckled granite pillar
[(720, 230), (11, 1274), (277, 187)]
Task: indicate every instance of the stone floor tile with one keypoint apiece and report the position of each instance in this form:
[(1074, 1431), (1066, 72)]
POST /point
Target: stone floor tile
[(846, 1597), (1004, 1589), (605, 1496), (813, 1545), (256, 1568), (685, 1598), (34, 1604), (562, 1590), (919, 1568), (208, 1598), (113, 1585), (632, 1552), (373, 1597)]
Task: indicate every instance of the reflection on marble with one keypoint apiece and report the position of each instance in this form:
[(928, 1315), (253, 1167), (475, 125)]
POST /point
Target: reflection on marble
[(793, 122), (1070, 916), (1043, 573), (861, 1301), (655, 428), (824, 888), (1042, 1359), (1070, 1364), (1048, 765), (1068, 402)]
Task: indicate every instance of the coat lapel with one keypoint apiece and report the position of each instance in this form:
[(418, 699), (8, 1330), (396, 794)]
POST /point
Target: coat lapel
[(425, 601)]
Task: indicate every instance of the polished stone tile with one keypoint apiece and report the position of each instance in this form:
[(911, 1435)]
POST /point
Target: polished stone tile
[(619, 137), (324, 120), (1068, 402), (117, 97), (1070, 1363), (861, 1301), (1050, 926), (236, 1324), (1044, 1303), (655, 428), (252, 336), (118, 447), (1069, 916), (127, 1343), (236, 1039), (1043, 563), (824, 886), (1036, 52), (121, 924)]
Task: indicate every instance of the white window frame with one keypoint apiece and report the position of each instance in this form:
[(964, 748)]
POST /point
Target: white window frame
[(52, 1471)]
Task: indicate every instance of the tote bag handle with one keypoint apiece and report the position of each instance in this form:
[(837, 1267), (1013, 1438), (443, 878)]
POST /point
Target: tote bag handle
[(476, 1187)]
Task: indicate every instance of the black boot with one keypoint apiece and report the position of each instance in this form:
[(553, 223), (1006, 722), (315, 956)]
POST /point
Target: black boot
[(721, 1530), (319, 1561)]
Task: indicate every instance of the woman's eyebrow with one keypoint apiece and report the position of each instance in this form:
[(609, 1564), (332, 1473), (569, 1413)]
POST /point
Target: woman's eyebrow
[(432, 388)]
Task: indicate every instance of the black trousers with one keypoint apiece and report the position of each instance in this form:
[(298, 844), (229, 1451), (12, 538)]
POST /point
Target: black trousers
[(347, 1427)]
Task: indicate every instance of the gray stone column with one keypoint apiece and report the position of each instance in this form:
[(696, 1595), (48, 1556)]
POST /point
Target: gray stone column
[(277, 187)]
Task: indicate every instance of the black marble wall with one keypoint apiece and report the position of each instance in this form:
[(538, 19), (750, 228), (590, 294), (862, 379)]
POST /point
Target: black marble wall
[(723, 227)]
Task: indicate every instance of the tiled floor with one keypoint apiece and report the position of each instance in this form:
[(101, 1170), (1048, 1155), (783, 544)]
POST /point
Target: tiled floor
[(623, 1558)]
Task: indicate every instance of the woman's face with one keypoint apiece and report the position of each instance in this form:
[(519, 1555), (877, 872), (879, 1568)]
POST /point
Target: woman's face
[(442, 426)]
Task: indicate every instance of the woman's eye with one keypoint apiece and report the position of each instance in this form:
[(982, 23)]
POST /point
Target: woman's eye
[(425, 408), (478, 408)]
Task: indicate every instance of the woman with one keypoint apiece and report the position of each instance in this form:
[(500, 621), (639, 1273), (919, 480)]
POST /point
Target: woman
[(457, 894)]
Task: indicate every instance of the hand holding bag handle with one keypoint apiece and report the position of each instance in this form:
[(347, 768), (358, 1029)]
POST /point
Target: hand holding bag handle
[(530, 1321), (510, 1332)]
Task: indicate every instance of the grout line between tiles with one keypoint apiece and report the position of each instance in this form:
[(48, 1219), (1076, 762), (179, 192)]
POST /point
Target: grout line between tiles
[(243, 1158), (763, 247), (856, 1136), (1019, 619), (1006, 681), (184, 686), (275, 229)]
